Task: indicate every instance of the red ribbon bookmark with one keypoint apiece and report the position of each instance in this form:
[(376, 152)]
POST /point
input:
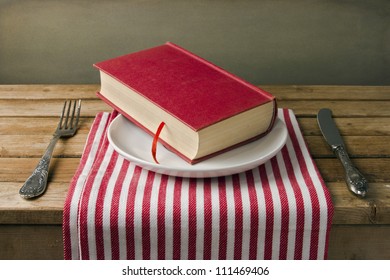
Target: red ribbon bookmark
[(155, 139)]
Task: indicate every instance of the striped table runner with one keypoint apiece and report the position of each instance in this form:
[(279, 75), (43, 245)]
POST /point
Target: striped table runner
[(116, 210)]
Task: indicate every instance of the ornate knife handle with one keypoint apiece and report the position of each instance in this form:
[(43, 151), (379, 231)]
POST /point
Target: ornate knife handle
[(355, 180)]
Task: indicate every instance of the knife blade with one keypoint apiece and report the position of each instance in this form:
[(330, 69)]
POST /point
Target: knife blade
[(355, 180)]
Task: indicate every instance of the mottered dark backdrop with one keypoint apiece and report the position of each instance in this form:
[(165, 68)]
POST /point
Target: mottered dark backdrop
[(265, 42)]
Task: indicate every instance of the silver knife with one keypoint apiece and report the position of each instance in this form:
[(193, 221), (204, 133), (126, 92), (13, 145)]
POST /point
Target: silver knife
[(356, 182)]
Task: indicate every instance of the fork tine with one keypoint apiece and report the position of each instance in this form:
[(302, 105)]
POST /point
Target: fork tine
[(71, 125), (78, 113), (74, 122), (69, 103), (60, 123), (70, 115)]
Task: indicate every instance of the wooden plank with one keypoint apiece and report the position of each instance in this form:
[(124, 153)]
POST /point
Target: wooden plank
[(283, 92), (39, 242), (309, 126), (52, 200), (19, 169), (358, 109), (350, 209), (14, 143), (47, 209), (31, 217), (349, 126), (374, 169), (357, 146), (359, 242), (62, 169), (24, 242), (35, 145), (48, 108), (306, 108), (320, 92), (38, 125), (45, 92)]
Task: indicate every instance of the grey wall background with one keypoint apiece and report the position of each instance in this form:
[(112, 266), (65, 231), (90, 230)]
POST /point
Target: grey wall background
[(264, 42)]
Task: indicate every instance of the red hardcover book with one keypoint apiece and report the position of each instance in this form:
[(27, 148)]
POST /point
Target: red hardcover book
[(206, 110)]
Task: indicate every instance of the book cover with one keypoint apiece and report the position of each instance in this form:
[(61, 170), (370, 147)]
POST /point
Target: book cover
[(194, 91), (185, 85)]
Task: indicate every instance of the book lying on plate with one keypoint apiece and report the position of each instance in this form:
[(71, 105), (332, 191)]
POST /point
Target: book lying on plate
[(204, 109)]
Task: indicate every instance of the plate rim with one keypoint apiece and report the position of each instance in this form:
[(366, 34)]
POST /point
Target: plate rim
[(185, 171)]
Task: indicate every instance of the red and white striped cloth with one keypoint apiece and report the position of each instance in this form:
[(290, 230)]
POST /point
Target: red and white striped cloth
[(116, 210)]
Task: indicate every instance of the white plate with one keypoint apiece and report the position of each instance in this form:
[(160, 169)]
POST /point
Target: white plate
[(135, 145)]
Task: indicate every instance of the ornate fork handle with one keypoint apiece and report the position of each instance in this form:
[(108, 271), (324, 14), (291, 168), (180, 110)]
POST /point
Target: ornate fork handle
[(36, 184)]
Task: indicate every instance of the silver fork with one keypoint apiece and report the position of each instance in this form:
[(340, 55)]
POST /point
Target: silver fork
[(36, 184)]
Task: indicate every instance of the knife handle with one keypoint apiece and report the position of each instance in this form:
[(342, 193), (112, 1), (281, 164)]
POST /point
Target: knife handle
[(356, 182)]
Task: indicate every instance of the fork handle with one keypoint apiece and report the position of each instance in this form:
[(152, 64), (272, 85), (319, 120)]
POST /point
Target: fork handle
[(36, 184)]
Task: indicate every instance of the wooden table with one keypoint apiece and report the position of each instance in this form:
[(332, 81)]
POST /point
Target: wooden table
[(32, 229)]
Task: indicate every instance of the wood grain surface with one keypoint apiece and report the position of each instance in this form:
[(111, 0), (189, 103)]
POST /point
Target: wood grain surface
[(29, 115)]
